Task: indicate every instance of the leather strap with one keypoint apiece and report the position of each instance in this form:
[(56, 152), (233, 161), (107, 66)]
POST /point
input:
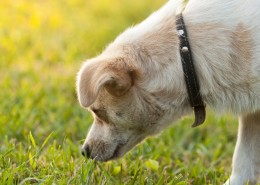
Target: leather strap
[(192, 84)]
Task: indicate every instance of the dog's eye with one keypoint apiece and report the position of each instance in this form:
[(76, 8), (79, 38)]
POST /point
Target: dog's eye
[(98, 112), (95, 110), (101, 114)]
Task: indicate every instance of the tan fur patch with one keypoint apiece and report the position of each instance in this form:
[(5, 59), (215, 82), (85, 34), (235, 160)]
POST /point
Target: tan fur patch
[(166, 34), (242, 48), (241, 39), (195, 32)]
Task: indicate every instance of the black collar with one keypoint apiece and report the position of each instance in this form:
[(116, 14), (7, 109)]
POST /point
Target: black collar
[(192, 84)]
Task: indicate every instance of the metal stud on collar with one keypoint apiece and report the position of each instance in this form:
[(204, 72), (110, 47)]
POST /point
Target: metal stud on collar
[(184, 49)]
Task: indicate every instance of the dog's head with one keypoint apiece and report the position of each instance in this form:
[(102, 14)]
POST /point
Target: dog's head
[(128, 103)]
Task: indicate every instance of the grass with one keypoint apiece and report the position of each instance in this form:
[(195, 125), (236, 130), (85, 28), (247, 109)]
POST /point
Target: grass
[(42, 46)]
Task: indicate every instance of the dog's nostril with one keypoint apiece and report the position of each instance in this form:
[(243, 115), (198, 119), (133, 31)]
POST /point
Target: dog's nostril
[(85, 151), (88, 151)]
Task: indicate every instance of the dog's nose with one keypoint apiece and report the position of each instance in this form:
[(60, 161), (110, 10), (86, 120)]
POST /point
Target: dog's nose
[(85, 151)]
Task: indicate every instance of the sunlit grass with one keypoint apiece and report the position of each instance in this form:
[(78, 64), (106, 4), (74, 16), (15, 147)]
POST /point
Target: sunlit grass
[(42, 45)]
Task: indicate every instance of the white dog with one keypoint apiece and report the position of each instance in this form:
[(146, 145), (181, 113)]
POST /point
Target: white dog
[(136, 87)]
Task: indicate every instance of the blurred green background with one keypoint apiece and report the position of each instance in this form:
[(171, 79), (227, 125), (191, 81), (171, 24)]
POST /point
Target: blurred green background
[(42, 46)]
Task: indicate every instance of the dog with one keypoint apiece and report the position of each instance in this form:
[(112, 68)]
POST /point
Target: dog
[(136, 88)]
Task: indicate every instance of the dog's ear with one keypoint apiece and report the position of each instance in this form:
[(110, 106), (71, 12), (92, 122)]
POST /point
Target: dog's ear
[(114, 75)]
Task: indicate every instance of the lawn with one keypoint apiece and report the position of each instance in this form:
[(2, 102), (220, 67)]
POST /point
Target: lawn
[(42, 126)]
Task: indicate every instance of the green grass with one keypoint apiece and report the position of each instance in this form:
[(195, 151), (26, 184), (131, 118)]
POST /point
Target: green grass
[(42, 46)]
